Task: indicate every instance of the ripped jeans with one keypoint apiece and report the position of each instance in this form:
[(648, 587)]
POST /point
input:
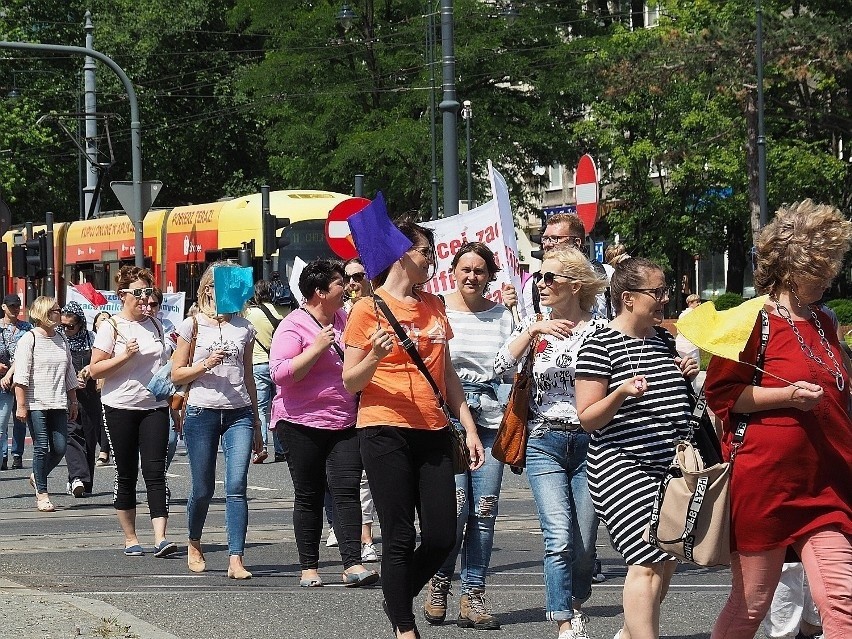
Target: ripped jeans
[(475, 526)]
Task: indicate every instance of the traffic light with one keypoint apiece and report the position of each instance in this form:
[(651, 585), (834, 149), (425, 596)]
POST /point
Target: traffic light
[(271, 241), (37, 256), (19, 260)]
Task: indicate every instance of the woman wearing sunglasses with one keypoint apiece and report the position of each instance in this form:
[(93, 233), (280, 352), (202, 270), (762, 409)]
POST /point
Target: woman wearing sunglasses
[(404, 434), (557, 445), (128, 350), (633, 398), (45, 392)]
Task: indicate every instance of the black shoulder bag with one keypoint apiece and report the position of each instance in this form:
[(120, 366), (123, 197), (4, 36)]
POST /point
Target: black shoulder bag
[(460, 453)]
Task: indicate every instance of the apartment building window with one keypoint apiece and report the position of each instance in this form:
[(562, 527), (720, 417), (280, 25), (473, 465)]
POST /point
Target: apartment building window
[(652, 14), (554, 176)]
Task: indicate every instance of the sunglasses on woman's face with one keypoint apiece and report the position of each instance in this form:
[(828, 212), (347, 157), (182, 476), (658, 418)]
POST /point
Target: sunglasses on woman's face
[(354, 277), (547, 278), (68, 326), (139, 293)]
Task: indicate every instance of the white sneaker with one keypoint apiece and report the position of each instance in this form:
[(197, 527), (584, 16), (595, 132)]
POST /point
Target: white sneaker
[(617, 634), (76, 488), (368, 553), (567, 634), (578, 625), (331, 541)]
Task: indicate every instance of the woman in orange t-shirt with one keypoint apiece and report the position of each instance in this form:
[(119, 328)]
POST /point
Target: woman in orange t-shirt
[(404, 434)]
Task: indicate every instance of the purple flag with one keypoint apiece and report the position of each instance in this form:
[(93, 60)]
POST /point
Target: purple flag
[(378, 241)]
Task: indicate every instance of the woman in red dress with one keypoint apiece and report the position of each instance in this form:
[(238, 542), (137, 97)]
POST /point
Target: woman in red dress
[(791, 487)]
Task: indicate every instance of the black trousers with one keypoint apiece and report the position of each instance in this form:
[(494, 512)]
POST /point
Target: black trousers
[(136, 435), (410, 470), (314, 454), (83, 437)]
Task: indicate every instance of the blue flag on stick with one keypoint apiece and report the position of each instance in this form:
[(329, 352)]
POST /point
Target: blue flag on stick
[(378, 241), (233, 285)]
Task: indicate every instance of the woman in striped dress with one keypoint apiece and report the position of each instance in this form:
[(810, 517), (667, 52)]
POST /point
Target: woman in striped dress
[(632, 397)]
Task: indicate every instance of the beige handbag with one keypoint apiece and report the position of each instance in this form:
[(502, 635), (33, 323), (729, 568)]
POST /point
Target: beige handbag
[(691, 517)]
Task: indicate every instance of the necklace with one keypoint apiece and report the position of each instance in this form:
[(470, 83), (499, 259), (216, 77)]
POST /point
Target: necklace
[(784, 312), (635, 367)]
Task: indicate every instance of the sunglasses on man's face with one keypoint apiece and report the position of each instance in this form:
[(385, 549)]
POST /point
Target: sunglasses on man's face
[(354, 277), (139, 293)]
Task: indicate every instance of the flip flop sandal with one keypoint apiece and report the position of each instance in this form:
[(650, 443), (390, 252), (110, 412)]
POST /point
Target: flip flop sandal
[(315, 582), (358, 579)]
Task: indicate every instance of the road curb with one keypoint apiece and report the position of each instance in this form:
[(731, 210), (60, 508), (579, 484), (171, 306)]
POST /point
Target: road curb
[(44, 614)]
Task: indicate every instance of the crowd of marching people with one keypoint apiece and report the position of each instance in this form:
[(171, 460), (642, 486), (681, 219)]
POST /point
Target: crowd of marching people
[(371, 388)]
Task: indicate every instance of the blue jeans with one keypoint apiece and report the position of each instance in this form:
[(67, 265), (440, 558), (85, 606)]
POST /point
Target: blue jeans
[(265, 393), (202, 430), (556, 470), (49, 429), (475, 526), (19, 428)]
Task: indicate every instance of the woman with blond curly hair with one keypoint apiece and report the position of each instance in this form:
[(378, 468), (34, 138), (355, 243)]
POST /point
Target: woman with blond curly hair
[(791, 489)]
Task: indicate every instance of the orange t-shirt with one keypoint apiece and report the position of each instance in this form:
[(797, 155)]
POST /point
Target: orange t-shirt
[(398, 394)]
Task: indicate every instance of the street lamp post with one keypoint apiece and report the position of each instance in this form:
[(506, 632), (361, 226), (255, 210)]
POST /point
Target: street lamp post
[(761, 133), (449, 110), (135, 128)]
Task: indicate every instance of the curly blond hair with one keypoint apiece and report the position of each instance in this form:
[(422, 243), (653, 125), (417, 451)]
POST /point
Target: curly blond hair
[(576, 266), (803, 239)]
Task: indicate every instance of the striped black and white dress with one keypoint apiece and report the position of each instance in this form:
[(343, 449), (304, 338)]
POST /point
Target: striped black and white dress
[(628, 456)]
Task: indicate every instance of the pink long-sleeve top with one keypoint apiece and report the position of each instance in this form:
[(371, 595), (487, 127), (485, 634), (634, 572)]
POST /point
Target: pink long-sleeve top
[(319, 399)]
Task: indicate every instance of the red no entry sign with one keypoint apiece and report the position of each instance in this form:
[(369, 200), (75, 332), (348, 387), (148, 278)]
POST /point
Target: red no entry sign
[(586, 192), (337, 232)]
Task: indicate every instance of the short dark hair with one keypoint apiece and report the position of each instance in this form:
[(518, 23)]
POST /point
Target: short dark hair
[(482, 251), (262, 292), (157, 295), (318, 275)]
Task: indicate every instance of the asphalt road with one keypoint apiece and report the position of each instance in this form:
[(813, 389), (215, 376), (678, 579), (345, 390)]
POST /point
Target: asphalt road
[(64, 575)]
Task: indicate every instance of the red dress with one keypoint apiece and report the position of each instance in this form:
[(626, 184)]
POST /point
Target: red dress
[(793, 473)]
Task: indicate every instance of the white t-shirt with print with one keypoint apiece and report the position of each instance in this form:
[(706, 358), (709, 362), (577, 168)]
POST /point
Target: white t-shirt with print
[(224, 386)]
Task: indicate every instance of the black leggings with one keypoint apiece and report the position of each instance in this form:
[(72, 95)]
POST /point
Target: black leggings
[(135, 434), (410, 469), (312, 455)]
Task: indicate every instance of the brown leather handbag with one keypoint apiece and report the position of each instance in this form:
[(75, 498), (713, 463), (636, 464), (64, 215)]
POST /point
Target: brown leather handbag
[(510, 445)]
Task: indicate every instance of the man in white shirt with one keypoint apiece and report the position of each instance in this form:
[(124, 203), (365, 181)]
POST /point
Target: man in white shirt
[(563, 228)]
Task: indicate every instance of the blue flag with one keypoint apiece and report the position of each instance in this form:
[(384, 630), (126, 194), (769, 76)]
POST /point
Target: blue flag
[(378, 241), (233, 285)]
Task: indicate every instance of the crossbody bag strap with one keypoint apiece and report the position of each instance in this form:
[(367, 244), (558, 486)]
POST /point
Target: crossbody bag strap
[(700, 399), (337, 348), (275, 321), (409, 347), (191, 353), (742, 424)]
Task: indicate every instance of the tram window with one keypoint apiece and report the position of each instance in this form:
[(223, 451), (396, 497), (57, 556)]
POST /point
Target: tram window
[(188, 276), (307, 240)]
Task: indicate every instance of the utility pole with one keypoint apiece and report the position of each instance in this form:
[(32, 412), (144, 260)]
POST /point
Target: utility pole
[(90, 107), (449, 109)]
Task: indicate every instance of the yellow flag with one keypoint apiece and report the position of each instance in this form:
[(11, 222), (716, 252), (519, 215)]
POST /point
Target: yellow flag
[(722, 333)]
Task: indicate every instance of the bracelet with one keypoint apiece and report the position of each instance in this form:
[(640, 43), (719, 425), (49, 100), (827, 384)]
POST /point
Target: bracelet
[(793, 394), (74, 403), (204, 365), (529, 333)]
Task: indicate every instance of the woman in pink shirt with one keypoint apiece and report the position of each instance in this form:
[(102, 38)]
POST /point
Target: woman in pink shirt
[(316, 418)]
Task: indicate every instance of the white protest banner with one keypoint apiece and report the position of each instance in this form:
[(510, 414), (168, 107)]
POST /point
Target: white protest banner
[(492, 224), (172, 310), (298, 266)]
